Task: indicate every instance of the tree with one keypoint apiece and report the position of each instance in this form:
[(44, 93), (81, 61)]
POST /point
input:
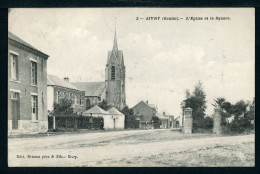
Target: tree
[(243, 118), (156, 122), (130, 121), (104, 105), (197, 101), (63, 108), (226, 109)]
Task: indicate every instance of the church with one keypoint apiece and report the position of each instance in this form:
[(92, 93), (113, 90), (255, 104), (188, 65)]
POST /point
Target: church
[(113, 88)]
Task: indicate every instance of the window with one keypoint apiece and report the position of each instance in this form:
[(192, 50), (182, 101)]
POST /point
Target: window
[(14, 66), (34, 107), (33, 73), (87, 104), (58, 96), (112, 73), (14, 95), (75, 100), (80, 101)]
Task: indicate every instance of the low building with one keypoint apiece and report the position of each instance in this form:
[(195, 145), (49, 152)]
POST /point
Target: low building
[(115, 119), (112, 119), (27, 87), (95, 92), (58, 88), (144, 113)]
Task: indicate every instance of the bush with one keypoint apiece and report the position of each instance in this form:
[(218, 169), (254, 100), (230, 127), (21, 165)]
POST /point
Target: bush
[(90, 123), (208, 123), (156, 122)]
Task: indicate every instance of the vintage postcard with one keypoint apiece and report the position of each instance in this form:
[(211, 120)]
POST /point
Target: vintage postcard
[(131, 87)]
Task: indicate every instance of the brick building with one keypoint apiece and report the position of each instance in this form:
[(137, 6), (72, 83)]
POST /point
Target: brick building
[(144, 113), (58, 88), (27, 87)]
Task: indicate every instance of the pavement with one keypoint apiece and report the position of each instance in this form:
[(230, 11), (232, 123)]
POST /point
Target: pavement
[(87, 149)]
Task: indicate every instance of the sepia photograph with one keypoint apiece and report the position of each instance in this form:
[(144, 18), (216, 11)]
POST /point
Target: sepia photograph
[(131, 87)]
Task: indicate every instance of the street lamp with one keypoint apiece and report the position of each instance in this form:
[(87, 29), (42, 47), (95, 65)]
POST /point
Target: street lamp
[(183, 106)]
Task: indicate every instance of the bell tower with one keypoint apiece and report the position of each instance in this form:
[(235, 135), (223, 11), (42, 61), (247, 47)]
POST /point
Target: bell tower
[(115, 77)]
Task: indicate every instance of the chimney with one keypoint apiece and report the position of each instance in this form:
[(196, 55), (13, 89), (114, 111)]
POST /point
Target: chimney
[(146, 101), (66, 79), (163, 113)]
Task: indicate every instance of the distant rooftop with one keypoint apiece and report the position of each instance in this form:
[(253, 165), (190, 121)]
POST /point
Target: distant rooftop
[(56, 81), (91, 88)]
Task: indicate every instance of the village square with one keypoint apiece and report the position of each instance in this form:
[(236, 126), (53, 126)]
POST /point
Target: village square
[(57, 121)]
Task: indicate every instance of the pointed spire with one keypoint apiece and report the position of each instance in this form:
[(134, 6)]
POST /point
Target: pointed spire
[(115, 48)]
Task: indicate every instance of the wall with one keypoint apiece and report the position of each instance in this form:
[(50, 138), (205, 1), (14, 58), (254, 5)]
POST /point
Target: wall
[(109, 122), (144, 110), (94, 100), (23, 85), (77, 107), (120, 122), (50, 98)]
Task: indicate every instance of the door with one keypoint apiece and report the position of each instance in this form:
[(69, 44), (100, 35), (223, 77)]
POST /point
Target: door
[(15, 109), (34, 100)]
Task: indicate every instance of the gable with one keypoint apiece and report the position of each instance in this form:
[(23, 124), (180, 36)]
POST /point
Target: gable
[(142, 106)]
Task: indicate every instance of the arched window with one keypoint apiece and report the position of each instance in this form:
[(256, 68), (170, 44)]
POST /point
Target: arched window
[(112, 73), (87, 104)]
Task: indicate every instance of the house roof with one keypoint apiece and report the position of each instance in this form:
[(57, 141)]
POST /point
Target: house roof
[(114, 111), (91, 88), (161, 116), (20, 41), (56, 81), (152, 106), (96, 110), (149, 105)]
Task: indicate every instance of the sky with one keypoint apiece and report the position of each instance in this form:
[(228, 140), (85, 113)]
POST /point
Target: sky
[(163, 58)]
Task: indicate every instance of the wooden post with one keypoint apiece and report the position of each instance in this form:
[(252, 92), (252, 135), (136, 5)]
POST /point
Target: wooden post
[(66, 122), (76, 124), (54, 123)]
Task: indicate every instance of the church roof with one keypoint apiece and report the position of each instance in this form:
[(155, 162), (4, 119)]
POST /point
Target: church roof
[(119, 57), (91, 88), (56, 81), (115, 53), (95, 110), (20, 41), (114, 111)]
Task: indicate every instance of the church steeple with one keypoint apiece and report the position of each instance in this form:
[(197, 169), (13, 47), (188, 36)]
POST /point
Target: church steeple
[(115, 48)]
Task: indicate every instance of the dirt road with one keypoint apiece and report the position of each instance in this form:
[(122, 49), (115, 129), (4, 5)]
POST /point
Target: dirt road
[(129, 148)]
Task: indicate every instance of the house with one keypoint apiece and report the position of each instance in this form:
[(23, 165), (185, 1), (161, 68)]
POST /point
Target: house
[(27, 87), (112, 89), (94, 92), (58, 88), (144, 113), (167, 120), (112, 119)]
